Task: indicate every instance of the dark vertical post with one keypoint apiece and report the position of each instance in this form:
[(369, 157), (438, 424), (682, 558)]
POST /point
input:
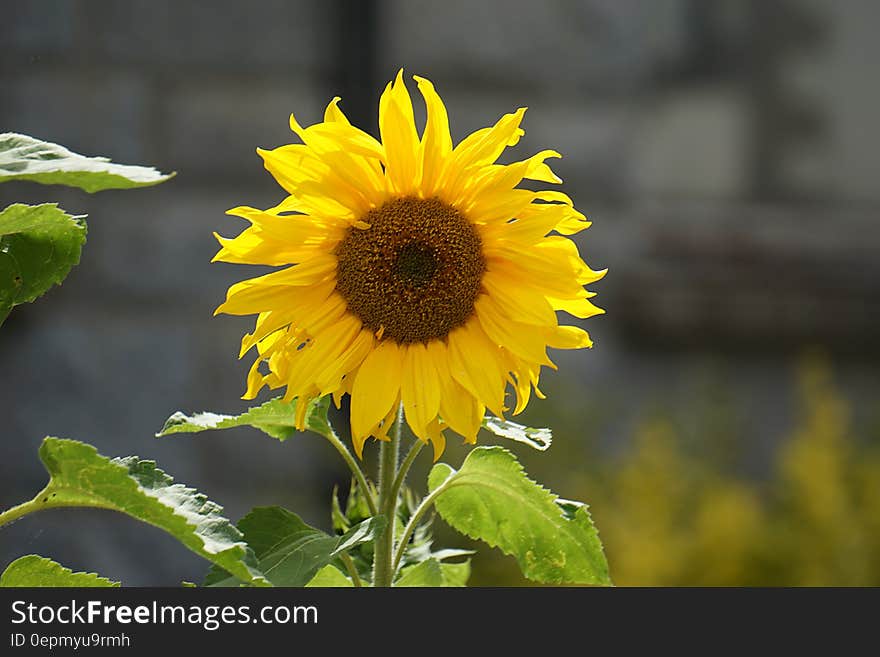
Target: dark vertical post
[(780, 117), (355, 25), (765, 100)]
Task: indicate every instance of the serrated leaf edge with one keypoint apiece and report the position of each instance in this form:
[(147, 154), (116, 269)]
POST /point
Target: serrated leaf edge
[(551, 496)]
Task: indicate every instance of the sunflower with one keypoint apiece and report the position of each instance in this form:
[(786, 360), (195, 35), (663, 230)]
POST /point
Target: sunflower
[(415, 271)]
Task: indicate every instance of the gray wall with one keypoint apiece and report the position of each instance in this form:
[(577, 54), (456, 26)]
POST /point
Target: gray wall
[(726, 152)]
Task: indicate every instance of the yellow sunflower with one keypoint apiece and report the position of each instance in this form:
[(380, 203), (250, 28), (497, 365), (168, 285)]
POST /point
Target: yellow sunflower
[(415, 271)]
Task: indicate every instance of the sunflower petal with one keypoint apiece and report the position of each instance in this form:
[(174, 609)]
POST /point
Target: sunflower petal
[(333, 114), (376, 388), (397, 127), (473, 362), (420, 389), (569, 337), (436, 144), (525, 341)]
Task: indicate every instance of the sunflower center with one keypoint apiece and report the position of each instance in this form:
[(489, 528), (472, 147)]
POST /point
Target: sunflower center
[(416, 264), (414, 273)]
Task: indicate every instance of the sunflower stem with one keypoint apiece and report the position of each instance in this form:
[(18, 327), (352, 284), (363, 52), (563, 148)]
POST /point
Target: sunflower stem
[(384, 552), (16, 512), (416, 516), (42, 501), (352, 569), (405, 465), (340, 447)]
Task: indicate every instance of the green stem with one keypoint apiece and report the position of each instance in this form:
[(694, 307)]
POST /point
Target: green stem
[(355, 469), (351, 568), (44, 500), (405, 466), (17, 512), (414, 519), (388, 453)]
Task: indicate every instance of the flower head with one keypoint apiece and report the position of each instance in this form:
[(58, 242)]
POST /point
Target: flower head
[(414, 272)]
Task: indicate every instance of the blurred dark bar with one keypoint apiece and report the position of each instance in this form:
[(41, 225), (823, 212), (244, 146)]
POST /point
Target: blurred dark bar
[(356, 27), (781, 119)]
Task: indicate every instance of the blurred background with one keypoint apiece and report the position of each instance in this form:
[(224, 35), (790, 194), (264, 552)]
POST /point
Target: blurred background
[(725, 429)]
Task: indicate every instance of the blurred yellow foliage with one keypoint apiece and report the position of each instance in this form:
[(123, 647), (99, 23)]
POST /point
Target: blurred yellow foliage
[(670, 518)]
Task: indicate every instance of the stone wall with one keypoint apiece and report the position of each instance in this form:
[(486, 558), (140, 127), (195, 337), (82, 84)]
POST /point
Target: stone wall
[(672, 145)]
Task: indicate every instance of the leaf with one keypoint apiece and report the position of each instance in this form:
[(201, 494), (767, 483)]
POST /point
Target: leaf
[(39, 245), (451, 553), (433, 573), (33, 570), (539, 439), (356, 511), (330, 577), (420, 546), (363, 532), (275, 417), (490, 498), (80, 476), (456, 574), (337, 518), (426, 573), (26, 158), (289, 551), (356, 507)]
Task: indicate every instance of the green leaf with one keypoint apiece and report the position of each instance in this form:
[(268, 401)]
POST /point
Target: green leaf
[(491, 498), (80, 476), (39, 245), (539, 439), (338, 520), (33, 570), (330, 577), (433, 573), (289, 551), (26, 158), (361, 533), (456, 574), (275, 417), (426, 573), (356, 508)]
